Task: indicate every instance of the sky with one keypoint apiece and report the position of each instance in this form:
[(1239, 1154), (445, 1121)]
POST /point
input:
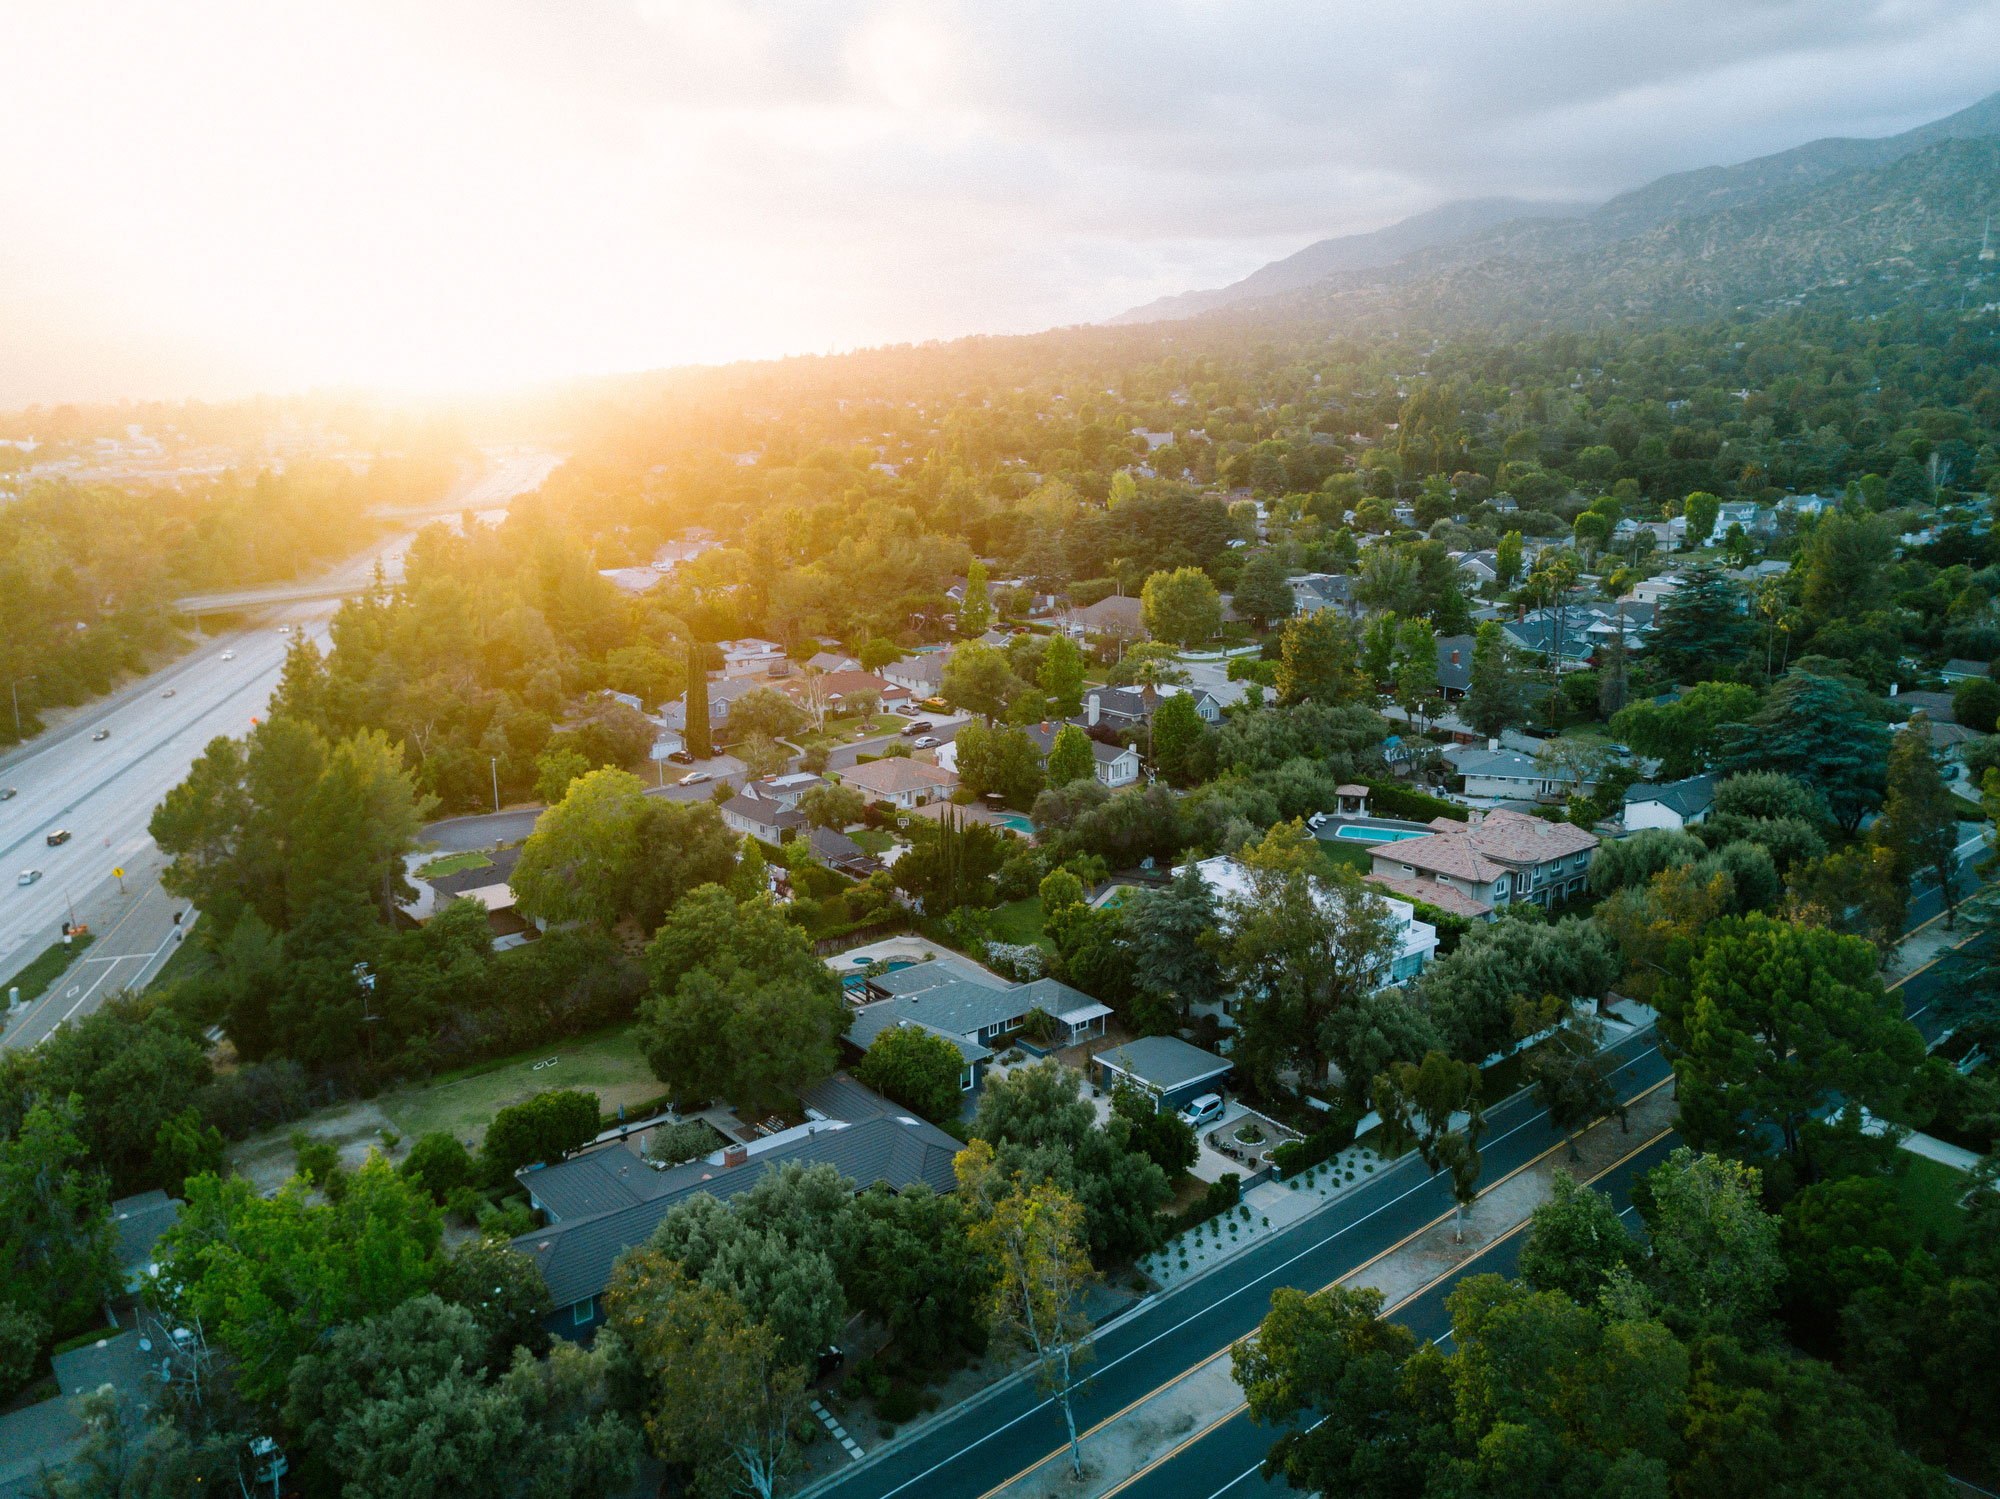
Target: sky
[(217, 197)]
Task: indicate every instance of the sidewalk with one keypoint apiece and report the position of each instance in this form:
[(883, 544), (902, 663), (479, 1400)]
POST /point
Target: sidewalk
[(1207, 1395)]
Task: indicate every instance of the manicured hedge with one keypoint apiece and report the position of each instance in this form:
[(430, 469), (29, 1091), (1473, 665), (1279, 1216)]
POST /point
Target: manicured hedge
[(1387, 799), (1220, 1198), (1295, 1156)]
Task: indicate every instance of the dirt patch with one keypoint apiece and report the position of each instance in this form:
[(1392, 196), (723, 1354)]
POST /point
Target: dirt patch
[(267, 1158)]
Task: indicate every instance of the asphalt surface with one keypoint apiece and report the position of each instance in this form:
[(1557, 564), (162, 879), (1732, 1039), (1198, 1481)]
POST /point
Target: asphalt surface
[(968, 1453), (103, 792)]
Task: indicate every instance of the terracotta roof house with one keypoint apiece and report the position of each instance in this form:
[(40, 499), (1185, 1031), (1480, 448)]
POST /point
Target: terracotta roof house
[(607, 1198), (901, 781), (1496, 858), (1436, 893)]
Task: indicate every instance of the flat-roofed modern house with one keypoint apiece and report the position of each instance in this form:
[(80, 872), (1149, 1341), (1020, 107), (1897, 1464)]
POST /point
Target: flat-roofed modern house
[(607, 1198)]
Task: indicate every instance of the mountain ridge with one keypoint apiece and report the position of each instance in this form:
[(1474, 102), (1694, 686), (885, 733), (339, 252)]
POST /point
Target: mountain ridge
[(1552, 235)]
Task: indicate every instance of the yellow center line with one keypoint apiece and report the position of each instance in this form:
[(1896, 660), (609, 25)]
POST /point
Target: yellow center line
[(1238, 1409), (1204, 1362)]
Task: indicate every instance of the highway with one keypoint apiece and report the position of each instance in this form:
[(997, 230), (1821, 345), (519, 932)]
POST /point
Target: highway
[(103, 792)]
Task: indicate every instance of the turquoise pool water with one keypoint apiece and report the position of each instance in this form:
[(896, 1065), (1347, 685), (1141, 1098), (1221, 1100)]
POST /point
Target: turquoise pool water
[(1375, 835), (1018, 823)]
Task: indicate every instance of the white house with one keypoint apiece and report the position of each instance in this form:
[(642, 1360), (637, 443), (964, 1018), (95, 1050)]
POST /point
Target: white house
[(1416, 941), (900, 781), (1510, 775), (1670, 804)]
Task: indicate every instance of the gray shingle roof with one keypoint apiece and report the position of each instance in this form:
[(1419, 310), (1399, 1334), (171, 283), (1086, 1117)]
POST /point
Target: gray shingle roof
[(954, 1008), (1689, 797), (576, 1255), (1164, 1062), (139, 1221)]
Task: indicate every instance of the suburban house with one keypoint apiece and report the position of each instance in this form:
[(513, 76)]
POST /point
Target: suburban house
[(1116, 764), (1174, 1072), (900, 781), (1454, 665), (1435, 893), (1119, 615), (603, 1200), (1495, 858), (1958, 669), (1510, 775), (838, 851), (1655, 590), (753, 657), (1481, 567), (487, 884), (721, 696), (1126, 707), (138, 1221), (839, 686), (1564, 638), (829, 662), (971, 1007), (1947, 740), (1313, 592), (1670, 804), (1416, 941), (1938, 707), (920, 675), (769, 809)]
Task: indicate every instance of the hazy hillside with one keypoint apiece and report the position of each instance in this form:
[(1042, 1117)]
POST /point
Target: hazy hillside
[(1354, 252), (1869, 237), (1484, 241)]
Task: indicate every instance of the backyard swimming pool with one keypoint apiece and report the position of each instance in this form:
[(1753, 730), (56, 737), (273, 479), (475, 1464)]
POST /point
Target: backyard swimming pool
[(1376, 835), (1018, 823)]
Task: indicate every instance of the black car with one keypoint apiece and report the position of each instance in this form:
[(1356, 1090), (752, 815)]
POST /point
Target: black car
[(680, 757), (58, 837), (921, 726), (7, 793)]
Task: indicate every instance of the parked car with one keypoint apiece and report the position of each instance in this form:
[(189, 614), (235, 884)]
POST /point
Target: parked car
[(28, 877), (927, 742), (101, 734), (59, 837), (921, 726), (694, 778), (908, 710), (680, 757), (1203, 1110)]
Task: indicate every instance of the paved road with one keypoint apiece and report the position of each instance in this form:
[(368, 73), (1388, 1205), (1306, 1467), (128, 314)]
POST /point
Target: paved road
[(969, 1452), (104, 792), (1227, 1459)]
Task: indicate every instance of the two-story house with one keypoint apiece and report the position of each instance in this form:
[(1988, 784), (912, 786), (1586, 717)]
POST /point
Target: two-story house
[(1495, 859)]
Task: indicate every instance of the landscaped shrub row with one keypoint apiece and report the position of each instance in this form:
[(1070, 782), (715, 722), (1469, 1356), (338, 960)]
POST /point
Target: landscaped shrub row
[(1387, 799), (1295, 1156), (1221, 1197)]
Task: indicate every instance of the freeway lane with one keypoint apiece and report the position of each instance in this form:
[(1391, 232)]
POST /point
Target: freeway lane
[(967, 1452), (104, 791), (1227, 1459)]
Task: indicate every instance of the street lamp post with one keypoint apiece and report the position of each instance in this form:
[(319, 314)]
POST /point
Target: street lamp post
[(13, 690), (496, 782)]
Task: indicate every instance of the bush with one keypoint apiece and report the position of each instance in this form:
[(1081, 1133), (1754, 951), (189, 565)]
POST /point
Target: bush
[(675, 1144), (1221, 1197), (1324, 1144), (255, 1097), (545, 1128), (442, 1164), (21, 1337), (900, 1403), (465, 1204), (317, 1159), (1387, 799), (918, 1069)]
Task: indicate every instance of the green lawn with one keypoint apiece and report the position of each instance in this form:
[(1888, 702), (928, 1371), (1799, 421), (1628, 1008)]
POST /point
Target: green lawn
[(876, 840), (437, 869), (1930, 1191), (1968, 811), (1020, 922), (34, 980), (1360, 855), (463, 1103)]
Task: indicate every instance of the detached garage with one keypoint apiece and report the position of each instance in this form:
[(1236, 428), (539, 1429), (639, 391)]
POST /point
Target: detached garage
[(1167, 1067)]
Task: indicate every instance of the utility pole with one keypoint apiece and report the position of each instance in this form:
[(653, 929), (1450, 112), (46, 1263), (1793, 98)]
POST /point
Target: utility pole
[(495, 760), (13, 689)]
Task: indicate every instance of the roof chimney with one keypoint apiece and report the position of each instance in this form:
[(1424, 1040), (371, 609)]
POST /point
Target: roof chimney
[(1090, 711), (735, 1155), (1492, 745)]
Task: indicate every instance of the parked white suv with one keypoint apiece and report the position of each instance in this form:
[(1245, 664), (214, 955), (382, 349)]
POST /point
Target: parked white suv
[(1203, 1110)]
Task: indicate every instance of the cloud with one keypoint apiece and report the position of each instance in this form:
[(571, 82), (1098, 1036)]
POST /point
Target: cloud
[(210, 199)]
